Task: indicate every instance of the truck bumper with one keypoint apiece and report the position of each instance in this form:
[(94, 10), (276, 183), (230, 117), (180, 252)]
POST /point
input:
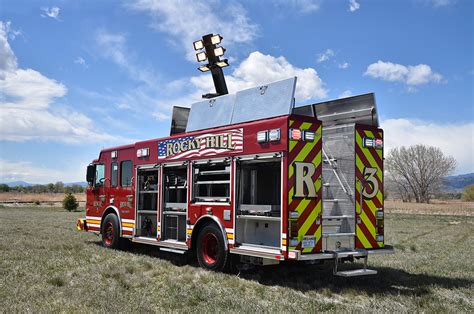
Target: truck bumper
[(81, 224), (388, 249)]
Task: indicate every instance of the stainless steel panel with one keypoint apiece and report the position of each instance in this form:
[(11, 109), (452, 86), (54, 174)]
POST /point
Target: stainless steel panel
[(339, 146), (360, 109), (265, 101), (211, 113)]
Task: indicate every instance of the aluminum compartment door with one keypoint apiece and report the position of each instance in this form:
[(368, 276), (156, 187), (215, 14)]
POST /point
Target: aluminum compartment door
[(305, 189), (369, 187)]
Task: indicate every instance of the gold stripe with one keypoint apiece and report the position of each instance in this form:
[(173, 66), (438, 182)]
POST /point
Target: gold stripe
[(362, 238), (230, 235), (309, 221), (93, 221), (283, 241), (126, 224)]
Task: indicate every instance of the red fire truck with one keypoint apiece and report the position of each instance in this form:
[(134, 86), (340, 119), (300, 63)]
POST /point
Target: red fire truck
[(252, 176)]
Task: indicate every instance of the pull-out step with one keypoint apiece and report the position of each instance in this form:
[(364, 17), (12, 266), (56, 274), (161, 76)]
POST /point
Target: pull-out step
[(355, 272)]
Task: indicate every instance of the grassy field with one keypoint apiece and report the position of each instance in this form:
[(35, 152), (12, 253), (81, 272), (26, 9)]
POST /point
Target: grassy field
[(47, 266)]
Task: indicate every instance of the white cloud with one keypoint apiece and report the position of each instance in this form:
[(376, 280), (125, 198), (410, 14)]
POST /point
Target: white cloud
[(301, 6), (12, 33), (353, 5), (26, 99), (440, 3), (411, 75), (80, 61), (52, 12), (325, 56), (114, 47), (255, 70), (456, 139), (343, 66), (186, 21), (25, 171), (344, 94), (8, 61)]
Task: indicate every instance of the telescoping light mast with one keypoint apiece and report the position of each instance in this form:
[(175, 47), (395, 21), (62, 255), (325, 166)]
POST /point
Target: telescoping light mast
[(207, 49)]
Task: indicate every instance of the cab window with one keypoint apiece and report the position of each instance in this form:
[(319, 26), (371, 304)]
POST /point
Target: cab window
[(126, 173), (114, 174), (99, 175)]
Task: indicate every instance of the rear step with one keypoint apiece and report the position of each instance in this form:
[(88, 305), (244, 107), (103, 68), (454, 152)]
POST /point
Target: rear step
[(355, 272)]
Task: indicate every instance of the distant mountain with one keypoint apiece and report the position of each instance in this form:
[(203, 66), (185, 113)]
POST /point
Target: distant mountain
[(457, 183), (83, 184), (23, 183), (18, 183)]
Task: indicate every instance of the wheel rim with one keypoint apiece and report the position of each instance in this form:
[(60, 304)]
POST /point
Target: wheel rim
[(109, 233), (209, 248)]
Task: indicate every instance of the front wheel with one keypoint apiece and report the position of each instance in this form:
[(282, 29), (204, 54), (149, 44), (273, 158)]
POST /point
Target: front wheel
[(111, 232), (211, 252)]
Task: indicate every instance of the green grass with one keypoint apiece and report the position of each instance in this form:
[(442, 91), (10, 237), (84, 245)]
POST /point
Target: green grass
[(46, 265)]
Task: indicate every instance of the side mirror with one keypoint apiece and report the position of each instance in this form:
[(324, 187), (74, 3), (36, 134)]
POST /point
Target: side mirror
[(90, 174)]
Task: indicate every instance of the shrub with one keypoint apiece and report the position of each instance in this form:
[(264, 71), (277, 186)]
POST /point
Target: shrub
[(70, 203), (468, 194)]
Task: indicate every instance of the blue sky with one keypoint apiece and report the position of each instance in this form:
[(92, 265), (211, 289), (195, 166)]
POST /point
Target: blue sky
[(76, 76)]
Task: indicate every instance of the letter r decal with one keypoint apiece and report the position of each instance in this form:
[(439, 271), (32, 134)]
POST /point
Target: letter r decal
[(303, 177)]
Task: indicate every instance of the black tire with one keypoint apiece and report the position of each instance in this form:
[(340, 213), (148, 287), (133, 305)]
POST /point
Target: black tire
[(111, 232), (210, 251)]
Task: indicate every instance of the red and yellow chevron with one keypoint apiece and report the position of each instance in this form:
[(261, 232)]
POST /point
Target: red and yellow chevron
[(305, 212), (369, 182)]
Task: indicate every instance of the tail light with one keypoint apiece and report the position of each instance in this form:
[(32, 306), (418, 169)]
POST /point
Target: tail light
[(380, 225)]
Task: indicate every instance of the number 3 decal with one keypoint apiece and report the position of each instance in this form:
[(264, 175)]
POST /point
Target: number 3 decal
[(369, 176)]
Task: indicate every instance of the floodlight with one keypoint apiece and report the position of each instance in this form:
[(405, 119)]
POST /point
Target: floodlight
[(204, 68), (198, 44), (219, 51), (201, 56), (216, 39), (222, 63)]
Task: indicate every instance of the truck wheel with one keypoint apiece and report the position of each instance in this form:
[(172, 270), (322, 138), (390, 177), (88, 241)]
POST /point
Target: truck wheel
[(111, 232), (211, 252)]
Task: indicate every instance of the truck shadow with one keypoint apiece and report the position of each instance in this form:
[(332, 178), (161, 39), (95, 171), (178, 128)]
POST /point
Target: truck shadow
[(319, 278), (393, 281)]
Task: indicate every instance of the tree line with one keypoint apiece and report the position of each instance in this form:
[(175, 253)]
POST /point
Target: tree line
[(57, 187)]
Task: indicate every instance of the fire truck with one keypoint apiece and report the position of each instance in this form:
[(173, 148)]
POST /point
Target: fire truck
[(249, 176)]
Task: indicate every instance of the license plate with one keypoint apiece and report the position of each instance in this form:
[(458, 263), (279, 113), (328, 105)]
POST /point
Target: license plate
[(308, 242)]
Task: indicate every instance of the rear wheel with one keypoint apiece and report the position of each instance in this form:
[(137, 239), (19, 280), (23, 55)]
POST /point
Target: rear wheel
[(211, 252), (111, 232)]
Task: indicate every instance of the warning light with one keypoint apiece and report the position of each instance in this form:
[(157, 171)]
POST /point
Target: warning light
[(143, 152), (274, 135), (292, 255), (262, 136), (295, 134), (308, 135)]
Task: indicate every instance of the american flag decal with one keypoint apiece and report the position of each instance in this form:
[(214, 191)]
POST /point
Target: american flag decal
[(208, 144)]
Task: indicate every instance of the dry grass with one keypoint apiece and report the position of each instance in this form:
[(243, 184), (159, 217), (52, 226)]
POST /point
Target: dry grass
[(436, 207), (13, 197), (47, 266)]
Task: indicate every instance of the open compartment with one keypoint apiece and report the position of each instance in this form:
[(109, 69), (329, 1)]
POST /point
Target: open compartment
[(175, 190), (147, 202), (258, 201), (211, 181)]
